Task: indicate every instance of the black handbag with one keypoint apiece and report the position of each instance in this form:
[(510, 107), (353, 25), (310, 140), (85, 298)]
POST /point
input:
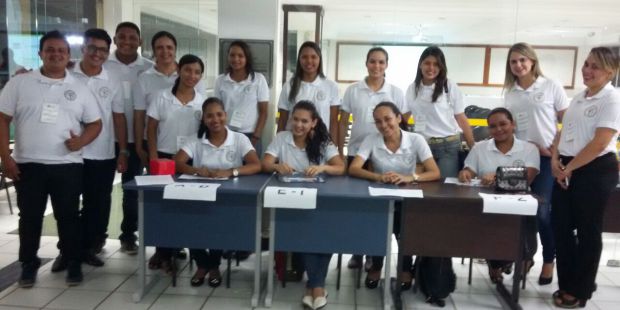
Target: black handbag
[(511, 179)]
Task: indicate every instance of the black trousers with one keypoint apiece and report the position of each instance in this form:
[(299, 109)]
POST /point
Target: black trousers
[(63, 183), (96, 200), (204, 260), (577, 219), (129, 225)]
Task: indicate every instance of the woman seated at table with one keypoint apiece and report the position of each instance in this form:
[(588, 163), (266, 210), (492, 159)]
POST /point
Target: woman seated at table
[(306, 148), (219, 153), (393, 153), (503, 149)]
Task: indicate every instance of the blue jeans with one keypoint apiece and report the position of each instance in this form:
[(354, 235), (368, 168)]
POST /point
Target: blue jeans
[(446, 154), (316, 268), (543, 187)]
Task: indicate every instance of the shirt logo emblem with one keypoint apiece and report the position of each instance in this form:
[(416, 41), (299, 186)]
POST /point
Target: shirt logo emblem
[(518, 163), (539, 97), (70, 95), (230, 156), (320, 96), (104, 92), (198, 115), (591, 111)]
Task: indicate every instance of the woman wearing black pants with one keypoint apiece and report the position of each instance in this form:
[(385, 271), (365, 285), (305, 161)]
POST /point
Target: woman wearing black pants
[(586, 171)]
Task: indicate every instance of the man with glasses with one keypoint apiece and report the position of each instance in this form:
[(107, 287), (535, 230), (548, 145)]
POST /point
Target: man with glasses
[(55, 116), (100, 161)]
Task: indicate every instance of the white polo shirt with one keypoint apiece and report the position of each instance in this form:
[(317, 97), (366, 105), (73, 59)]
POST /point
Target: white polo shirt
[(241, 100), (322, 92), (127, 75), (227, 156), (435, 119), (109, 97), (151, 81), (177, 122), (360, 101), (584, 115), (413, 149), (484, 157), (535, 110), (284, 149), (44, 110)]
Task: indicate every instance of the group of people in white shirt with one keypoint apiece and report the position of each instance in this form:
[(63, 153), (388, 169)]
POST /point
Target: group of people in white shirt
[(74, 128)]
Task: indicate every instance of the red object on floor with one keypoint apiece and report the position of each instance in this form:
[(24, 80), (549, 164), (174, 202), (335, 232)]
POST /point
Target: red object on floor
[(162, 167), (280, 265)]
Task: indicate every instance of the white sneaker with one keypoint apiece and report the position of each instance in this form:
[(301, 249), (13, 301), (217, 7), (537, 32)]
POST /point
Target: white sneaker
[(319, 302), (308, 301)]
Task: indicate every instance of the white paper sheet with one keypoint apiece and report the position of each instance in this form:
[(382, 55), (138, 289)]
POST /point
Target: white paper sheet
[(191, 191), (409, 193), (142, 180), (290, 197), (197, 177), (473, 183), (509, 204)]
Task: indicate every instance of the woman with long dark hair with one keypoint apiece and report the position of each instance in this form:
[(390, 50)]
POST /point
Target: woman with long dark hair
[(307, 148), (244, 92), (216, 152), (585, 167), (173, 116), (309, 83)]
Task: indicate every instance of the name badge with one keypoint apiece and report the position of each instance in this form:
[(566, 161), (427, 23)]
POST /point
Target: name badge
[(420, 124), (568, 132), (50, 112), (522, 121), (369, 117), (237, 119)]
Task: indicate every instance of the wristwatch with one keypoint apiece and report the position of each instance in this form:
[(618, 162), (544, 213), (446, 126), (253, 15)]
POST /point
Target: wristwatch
[(124, 152), (235, 172)]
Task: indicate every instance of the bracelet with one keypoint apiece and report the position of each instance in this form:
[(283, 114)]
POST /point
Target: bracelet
[(124, 152)]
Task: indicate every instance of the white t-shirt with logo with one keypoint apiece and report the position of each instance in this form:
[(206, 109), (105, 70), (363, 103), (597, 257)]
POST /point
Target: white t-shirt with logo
[(284, 149), (322, 92), (177, 122), (226, 156), (413, 149), (585, 115), (109, 95), (484, 157), (44, 111), (241, 100), (360, 101), (435, 119)]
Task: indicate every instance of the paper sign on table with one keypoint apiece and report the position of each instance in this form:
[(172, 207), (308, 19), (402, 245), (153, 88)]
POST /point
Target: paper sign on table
[(197, 177), (509, 204), (408, 193), (142, 180), (191, 191), (473, 182), (290, 197)]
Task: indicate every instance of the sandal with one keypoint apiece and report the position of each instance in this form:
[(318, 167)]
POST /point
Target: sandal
[(495, 274), (563, 302), (215, 278), (406, 280), (155, 261), (199, 277)]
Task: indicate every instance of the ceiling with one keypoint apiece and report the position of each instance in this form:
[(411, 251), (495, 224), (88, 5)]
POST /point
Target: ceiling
[(551, 22)]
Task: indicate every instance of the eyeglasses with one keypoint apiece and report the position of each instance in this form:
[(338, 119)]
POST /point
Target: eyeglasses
[(92, 49)]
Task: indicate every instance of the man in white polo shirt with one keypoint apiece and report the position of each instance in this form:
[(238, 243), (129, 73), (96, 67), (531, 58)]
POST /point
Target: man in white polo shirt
[(100, 161), (55, 116), (124, 65)]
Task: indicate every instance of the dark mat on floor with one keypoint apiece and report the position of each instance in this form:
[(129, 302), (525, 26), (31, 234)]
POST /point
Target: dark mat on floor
[(114, 226), (10, 274)]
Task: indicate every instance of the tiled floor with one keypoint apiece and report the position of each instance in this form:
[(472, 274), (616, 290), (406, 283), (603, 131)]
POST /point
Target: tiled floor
[(111, 286)]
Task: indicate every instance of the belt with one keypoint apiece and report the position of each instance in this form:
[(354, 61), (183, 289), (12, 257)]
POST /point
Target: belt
[(453, 138)]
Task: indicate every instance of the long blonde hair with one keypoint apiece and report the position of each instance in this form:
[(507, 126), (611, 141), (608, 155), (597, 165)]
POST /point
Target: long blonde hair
[(527, 51)]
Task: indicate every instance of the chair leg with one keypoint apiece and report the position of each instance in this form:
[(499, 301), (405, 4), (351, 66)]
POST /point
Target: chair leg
[(228, 272), (471, 260), (339, 267), (462, 260)]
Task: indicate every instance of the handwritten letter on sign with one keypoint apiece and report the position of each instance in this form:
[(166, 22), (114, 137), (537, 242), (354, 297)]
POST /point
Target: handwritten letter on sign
[(290, 197), (509, 204), (191, 191)]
